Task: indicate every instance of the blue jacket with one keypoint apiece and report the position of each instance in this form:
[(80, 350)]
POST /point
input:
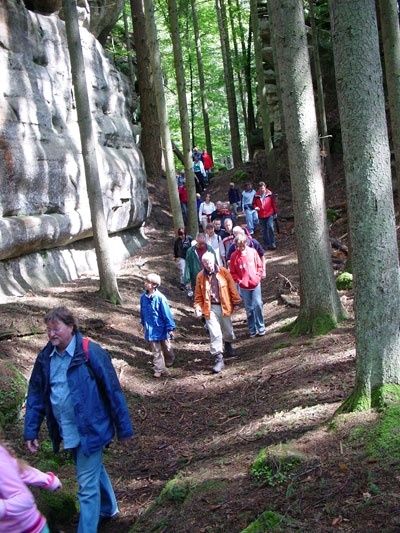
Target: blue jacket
[(156, 316), (96, 394)]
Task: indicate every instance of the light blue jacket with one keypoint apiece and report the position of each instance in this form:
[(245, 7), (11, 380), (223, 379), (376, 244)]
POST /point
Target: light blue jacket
[(156, 316)]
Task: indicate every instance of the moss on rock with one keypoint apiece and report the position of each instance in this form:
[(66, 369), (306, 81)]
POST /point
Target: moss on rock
[(275, 464), (319, 325), (13, 387), (267, 521)]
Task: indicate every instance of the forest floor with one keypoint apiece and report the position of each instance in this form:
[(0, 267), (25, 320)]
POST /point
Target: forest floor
[(204, 431)]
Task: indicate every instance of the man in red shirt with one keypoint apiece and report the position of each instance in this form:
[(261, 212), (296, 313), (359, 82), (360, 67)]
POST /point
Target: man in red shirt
[(265, 204)]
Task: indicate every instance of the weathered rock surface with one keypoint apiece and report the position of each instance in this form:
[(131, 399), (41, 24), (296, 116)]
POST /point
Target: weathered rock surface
[(43, 198)]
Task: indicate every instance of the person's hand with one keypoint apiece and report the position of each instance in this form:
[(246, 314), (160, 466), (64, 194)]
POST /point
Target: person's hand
[(32, 445), (257, 208), (54, 483), (197, 312), (170, 335)]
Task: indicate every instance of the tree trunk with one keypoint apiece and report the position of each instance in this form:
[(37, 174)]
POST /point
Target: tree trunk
[(108, 280), (262, 97), (391, 49), (184, 116), (128, 48), (157, 80), (229, 84), (372, 226), (202, 85), (320, 308), (239, 70), (326, 151), (249, 90), (150, 144)]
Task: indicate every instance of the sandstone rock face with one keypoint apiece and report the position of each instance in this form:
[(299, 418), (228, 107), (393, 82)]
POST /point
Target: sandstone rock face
[(43, 198)]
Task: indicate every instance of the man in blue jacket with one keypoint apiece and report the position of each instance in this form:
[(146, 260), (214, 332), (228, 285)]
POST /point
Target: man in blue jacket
[(75, 387)]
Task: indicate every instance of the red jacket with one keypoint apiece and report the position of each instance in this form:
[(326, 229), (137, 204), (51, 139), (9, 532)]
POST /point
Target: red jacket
[(183, 194), (246, 268), (266, 205), (207, 161)]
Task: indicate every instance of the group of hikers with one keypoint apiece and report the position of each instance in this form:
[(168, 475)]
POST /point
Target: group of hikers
[(74, 385)]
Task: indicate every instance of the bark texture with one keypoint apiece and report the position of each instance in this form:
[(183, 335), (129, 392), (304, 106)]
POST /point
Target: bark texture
[(108, 280), (166, 145), (370, 201), (320, 307), (391, 49), (184, 116), (150, 144)]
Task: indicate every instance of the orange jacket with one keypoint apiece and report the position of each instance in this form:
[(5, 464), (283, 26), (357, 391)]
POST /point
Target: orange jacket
[(228, 294)]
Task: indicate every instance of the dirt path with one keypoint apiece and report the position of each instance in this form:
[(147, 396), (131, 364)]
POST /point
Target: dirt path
[(208, 428)]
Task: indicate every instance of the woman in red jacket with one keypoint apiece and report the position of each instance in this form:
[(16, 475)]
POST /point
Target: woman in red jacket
[(265, 204)]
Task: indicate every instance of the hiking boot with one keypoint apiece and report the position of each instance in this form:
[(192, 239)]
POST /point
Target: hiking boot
[(218, 363), (228, 350)]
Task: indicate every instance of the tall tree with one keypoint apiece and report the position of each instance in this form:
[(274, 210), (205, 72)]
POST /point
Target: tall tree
[(128, 47), (229, 83), (391, 48), (150, 144), (262, 96), (183, 113), (320, 93), (157, 79), (202, 84), (320, 307), (370, 202), (108, 280)]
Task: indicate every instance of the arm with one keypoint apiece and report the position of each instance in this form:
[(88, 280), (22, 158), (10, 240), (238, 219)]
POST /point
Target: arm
[(106, 377), (234, 295), (198, 296), (233, 270), (35, 405), (167, 315)]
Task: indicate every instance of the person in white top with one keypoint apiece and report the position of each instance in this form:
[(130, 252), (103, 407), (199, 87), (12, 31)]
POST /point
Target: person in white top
[(205, 210), (216, 243)]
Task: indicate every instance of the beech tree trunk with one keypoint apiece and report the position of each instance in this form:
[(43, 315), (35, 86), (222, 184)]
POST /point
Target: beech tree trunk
[(391, 48), (320, 308), (229, 83), (372, 226), (108, 280), (202, 85), (184, 116), (262, 96), (150, 144), (157, 80)]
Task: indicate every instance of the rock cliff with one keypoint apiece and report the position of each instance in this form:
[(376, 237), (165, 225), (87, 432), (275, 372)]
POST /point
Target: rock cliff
[(43, 198)]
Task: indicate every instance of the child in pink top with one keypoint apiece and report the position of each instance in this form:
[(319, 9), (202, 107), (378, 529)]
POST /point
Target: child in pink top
[(18, 511)]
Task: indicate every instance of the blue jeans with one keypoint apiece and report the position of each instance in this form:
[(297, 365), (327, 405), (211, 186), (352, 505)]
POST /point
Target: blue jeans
[(95, 493), (251, 219), (254, 309), (267, 225)]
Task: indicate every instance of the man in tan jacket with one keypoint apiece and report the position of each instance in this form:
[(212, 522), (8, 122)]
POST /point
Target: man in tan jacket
[(216, 298)]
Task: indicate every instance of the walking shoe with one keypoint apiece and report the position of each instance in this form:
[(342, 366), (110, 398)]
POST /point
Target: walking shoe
[(218, 363), (253, 334), (228, 350), (261, 333), (157, 374)]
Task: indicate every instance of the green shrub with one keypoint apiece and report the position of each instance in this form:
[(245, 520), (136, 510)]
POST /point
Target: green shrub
[(239, 175), (267, 521), (344, 281), (12, 392), (332, 215), (176, 490), (273, 466), (58, 507)]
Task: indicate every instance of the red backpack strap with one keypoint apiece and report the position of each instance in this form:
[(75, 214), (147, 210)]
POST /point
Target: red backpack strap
[(85, 347)]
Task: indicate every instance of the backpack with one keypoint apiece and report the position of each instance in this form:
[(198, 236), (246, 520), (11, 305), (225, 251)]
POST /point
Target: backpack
[(85, 347)]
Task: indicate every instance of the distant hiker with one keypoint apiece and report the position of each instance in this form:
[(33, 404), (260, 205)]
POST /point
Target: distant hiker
[(200, 174), (215, 242), (265, 204), (181, 245), (222, 212), (74, 385), (218, 227), (250, 241), (247, 207), (208, 164), (234, 197), (197, 154), (18, 511), (215, 299), (246, 268), (158, 324), (205, 210), (227, 235), (193, 260), (183, 199), (180, 178)]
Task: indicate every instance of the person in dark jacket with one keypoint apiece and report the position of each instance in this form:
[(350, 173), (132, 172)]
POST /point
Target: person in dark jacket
[(158, 324), (181, 245), (235, 198), (75, 387)]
